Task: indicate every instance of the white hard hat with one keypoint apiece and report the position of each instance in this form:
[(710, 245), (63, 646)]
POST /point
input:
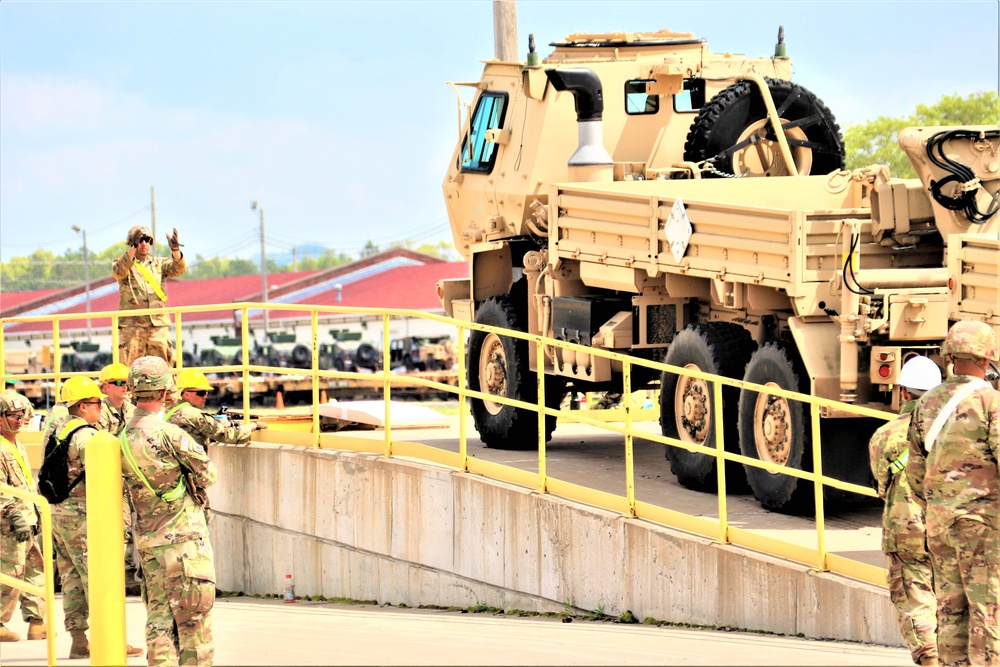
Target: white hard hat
[(920, 373)]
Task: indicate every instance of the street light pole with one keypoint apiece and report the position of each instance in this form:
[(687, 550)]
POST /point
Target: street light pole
[(86, 272), (263, 262)]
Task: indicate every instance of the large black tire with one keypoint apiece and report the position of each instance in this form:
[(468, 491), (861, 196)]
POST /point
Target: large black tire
[(498, 365), (776, 429), (734, 130), (686, 407), (301, 356), (366, 356)]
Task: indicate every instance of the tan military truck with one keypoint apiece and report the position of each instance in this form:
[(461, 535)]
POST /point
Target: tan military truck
[(661, 236)]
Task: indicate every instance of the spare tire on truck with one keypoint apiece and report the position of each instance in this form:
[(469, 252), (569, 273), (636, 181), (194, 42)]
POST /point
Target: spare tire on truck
[(734, 133)]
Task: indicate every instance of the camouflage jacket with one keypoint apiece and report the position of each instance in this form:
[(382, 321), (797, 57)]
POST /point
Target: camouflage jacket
[(903, 517), (135, 293), (76, 504), (12, 474), (205, 428), (159, 450), (959, 476), (113, 419)]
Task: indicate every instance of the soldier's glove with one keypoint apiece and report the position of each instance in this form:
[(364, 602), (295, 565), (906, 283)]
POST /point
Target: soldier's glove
[(19, 526), (172, 241), (260, 426)]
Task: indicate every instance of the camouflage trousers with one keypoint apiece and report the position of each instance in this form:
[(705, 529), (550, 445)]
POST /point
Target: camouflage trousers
[(21, 560), (180, 593), (966, 560), (911, 589), (69, 533), (135, 342)]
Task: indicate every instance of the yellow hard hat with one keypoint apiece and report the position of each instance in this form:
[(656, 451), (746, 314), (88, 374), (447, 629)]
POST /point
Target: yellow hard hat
[(113, 372), (79, 388), (192, 379)]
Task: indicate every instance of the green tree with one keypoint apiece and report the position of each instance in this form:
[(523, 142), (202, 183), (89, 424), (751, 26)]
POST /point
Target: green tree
[(877, 141)]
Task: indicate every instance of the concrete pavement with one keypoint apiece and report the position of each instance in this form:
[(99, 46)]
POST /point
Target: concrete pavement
[(268, 632)]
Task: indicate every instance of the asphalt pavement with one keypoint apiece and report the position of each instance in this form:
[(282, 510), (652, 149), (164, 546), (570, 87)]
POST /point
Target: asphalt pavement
[(268, 632)]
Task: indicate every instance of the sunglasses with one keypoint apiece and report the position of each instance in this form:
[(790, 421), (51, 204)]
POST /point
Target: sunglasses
[(14, 415), (118, 383), (145, 239), (200, 393), (96, 401)]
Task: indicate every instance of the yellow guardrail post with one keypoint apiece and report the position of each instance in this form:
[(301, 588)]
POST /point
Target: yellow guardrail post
[(245, 347), (463, 409), (386, 382), (105, 550), (817, 453), (540, 378), (720, 461), (629, 456), (314, 323), (56, 359)]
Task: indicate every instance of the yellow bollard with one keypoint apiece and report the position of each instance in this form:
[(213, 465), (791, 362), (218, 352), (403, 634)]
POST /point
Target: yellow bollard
[(105, 550)]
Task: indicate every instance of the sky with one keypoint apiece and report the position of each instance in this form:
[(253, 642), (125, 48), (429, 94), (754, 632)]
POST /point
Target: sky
[(336, 116)]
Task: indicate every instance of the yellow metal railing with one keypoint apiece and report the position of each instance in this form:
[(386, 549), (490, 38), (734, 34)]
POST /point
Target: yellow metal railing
[(718, 529), (47, 590)]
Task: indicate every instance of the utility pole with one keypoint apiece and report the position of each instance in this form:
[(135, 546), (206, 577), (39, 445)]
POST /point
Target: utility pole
[(86, 272), (505, 30), (263, 262), (152, 209), (295, 261)]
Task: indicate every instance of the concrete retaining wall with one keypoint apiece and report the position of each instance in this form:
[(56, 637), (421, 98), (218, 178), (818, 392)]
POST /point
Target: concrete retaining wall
[(365, 527)]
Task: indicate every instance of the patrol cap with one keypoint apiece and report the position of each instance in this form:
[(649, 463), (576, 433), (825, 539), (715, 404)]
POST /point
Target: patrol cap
[(920, 373), (971, 339), (11, 401), (9, 379), (137, 232), (149, 374), (113, 372)]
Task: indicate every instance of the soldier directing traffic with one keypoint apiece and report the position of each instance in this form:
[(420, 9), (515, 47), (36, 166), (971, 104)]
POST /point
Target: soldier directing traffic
[(142, 282), (910, 576), (165, 471), (954, 440)]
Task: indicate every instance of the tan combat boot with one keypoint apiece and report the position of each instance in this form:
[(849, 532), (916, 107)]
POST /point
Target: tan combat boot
[(80, 647), (36, 630), (7, 635), (132, 651)]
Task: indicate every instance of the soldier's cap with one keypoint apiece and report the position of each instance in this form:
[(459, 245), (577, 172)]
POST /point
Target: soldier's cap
[(137, 232), (150, 374), (971, 339), (11, 401), (8, 378)]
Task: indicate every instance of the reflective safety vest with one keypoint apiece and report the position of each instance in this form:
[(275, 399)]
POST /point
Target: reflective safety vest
[(173, 494)]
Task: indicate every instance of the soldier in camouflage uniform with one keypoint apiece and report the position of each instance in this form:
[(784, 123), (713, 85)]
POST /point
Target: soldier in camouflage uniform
[(188, 414), (911, 578), (165, 470), (69, 518), (20, 555), (954, 439), (142, 284)]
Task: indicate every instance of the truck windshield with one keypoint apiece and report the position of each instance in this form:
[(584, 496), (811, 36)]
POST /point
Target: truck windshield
[(478, 155)]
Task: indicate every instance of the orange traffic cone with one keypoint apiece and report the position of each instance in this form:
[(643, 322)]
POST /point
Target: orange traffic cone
[(279, 402), (322, 397)]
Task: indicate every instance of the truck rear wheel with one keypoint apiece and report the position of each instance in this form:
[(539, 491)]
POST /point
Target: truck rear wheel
[(733, 130), (498, 365), (686, 407), (773, 429)]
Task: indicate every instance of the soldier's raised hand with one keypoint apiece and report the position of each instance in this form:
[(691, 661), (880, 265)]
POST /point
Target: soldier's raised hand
[(19, 527), (173, 242)]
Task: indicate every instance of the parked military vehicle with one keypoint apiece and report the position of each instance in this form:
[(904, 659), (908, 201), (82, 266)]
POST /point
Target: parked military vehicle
[(621, 194)]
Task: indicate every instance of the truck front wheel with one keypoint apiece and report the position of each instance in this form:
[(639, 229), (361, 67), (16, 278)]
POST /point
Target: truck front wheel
[(498, 365), (773, 429), (687, 411)]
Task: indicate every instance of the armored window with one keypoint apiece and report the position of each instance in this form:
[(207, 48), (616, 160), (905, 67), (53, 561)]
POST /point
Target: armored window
[(637, 100), (692, 97), (478, 155)]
